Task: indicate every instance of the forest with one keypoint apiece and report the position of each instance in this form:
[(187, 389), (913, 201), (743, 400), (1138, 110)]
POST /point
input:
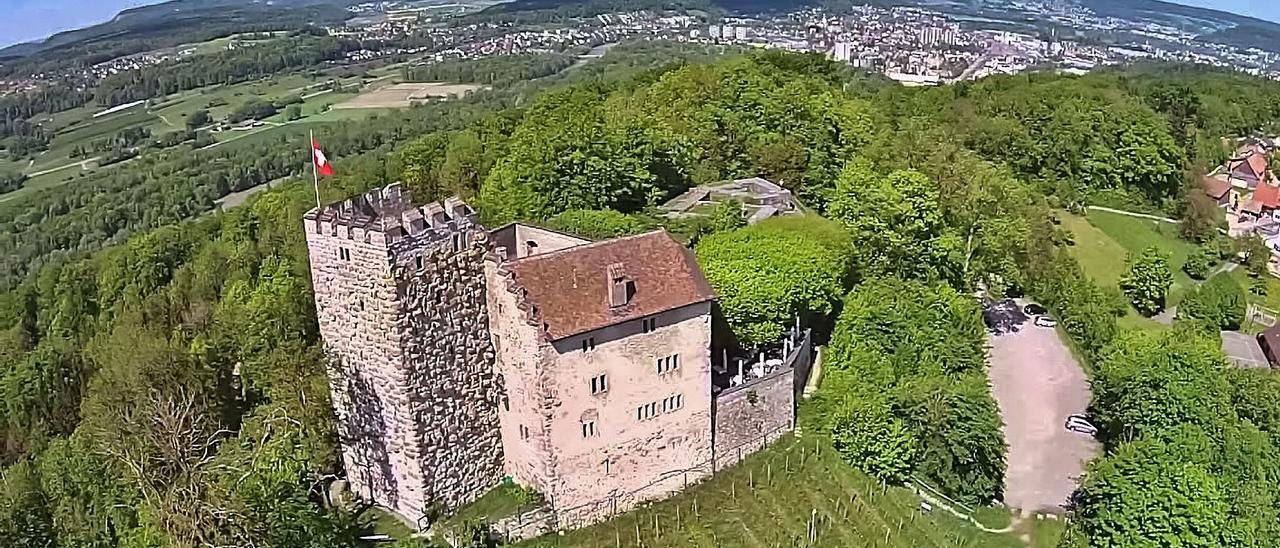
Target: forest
[(500, 69), (162, 384), (248, 62)]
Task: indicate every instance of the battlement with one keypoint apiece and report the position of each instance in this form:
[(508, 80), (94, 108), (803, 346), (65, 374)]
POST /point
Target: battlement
[(387, 215)]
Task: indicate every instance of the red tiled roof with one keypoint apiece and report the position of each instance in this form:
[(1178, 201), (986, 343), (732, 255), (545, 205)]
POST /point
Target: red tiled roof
[(1267, 195), (1257, 163), (1215, 188), (570, 287)]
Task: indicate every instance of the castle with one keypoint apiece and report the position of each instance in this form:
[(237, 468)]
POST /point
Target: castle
[(460, 356)]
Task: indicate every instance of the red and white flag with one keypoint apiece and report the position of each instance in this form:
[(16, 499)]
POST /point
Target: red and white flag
[(322, 165)]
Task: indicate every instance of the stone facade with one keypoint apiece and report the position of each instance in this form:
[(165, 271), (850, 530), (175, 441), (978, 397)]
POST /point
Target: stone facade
[(400, 302)]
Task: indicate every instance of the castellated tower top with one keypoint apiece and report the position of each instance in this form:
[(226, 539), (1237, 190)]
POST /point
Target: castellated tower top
[(387, 216)]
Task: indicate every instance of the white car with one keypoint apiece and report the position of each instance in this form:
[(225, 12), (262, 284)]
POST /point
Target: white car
[(1045, 321), (1077, 423)]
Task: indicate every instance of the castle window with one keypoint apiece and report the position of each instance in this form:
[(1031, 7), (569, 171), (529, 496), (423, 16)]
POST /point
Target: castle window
[(647, 411), (588, 344), (530, 247), (506, 403), (457, 242), (668, 364), (672, 403), (649, 325), (524, 432), (419, 261), (589, 429), (599, 384), (344, 253)]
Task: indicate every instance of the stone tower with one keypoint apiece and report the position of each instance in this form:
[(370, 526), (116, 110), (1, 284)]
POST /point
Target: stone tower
[(400, 300)]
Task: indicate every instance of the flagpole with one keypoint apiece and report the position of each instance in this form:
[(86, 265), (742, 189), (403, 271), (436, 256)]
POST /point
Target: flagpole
[(315, 175)]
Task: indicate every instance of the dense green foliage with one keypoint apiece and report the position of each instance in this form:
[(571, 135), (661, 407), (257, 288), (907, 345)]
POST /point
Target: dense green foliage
[(204, 327), (181, 396), (911, 356), (768, 274), (598, 224), (1191, 455), (11, 181), (497, 70), (593, 147), (1147, 281), (1219, 303)]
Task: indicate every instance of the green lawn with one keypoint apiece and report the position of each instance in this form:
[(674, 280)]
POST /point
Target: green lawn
[(1103, 241), (500, 502), (768, 501)]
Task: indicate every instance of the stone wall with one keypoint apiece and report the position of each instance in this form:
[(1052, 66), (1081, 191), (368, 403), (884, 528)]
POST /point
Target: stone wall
[(400, 302), (449, 365), (355, 301), (750, 416)]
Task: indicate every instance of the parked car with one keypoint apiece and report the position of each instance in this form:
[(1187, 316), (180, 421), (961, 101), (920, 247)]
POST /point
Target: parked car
[(1045, 321), (1078, 423), (1034, 309)]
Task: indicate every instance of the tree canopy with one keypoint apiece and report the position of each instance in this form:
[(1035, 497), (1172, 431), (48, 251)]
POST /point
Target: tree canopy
[(768, 274)]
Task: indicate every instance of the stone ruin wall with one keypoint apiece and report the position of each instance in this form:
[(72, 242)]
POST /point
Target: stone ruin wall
[(749, 417), (450, 361)]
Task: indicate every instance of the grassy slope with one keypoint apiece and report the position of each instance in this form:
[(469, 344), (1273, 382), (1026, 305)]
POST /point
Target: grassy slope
[(776, 511), (1103, 241)]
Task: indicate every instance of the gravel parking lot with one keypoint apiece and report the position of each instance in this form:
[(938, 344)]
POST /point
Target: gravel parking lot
[(1037, 383)]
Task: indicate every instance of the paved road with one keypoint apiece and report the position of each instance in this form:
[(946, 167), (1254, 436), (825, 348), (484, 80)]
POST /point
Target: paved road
[(1037, 384)]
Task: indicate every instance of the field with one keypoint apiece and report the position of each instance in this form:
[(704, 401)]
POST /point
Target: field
[(770, 499), (404, 95), (1103, 241)]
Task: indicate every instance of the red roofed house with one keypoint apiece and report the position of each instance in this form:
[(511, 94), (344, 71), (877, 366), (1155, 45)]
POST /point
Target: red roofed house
[(1264, 201), (617, 334), (1218, 189), (1248, 170)]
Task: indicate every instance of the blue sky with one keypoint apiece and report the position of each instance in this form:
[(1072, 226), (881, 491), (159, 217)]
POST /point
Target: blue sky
[(26, 20), (1262, 9)]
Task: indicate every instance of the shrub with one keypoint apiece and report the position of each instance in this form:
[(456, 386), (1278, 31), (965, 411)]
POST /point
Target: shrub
[(1148, 280), (1199, 262), (767, 274), (598, 223), (1219, 302)]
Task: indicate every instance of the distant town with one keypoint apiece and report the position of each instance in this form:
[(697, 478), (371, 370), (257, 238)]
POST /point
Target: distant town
[(911, 45)]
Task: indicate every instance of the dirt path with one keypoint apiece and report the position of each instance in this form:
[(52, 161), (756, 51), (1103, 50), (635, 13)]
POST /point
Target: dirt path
[(1038, 383)]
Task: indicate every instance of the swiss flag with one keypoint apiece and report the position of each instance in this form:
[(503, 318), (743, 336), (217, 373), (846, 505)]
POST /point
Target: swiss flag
[(318, 158)]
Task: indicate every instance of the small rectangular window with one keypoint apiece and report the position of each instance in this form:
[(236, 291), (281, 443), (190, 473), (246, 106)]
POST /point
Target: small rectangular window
[(647, 411), (524, 432), (506, 403), (419, 262), (599, 384), (589, 429), (344, 253), (649, 325), (588, 344), (672, 403), (668, 364)]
